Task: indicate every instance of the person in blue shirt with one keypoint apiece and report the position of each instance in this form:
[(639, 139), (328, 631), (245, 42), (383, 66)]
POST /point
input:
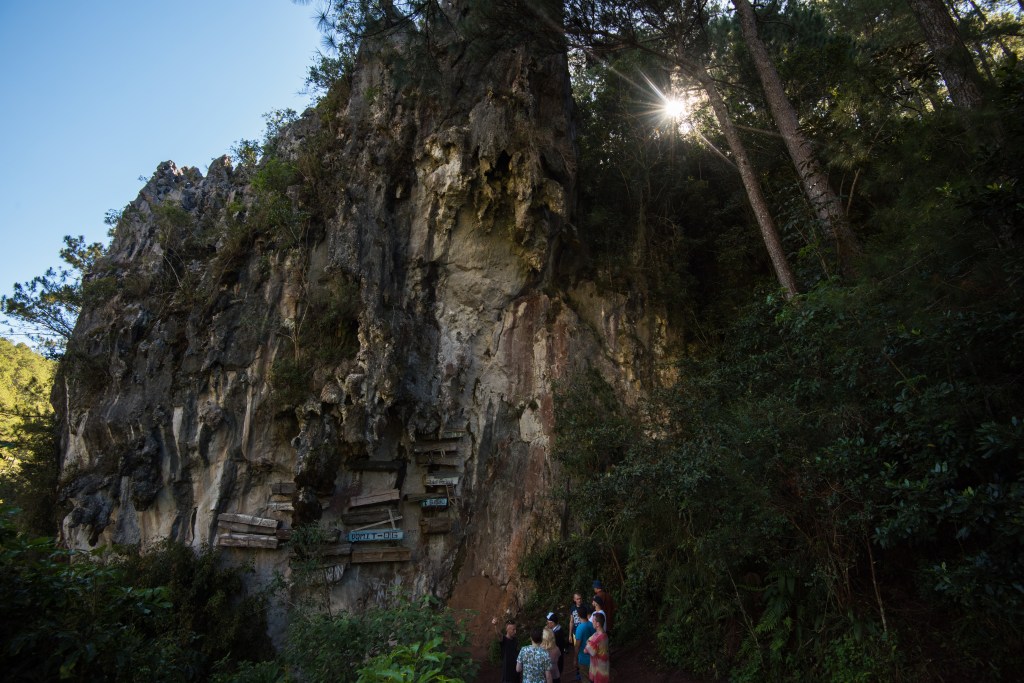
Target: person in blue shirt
[(583, 633)]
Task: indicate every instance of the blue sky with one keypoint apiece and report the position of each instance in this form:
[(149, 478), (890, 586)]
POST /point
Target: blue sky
[(95, 94)]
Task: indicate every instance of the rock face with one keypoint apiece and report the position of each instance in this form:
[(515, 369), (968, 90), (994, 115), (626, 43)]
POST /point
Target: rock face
[(373, 316)]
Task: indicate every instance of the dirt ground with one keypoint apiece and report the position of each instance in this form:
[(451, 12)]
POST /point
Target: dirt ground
[(632, 663)]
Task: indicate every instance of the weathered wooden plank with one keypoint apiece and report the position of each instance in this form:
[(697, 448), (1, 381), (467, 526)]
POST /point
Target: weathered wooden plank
[(381, 555), (434, 503), (369, 535), (440, 480), (447, 447), (251, 520), (390, 521), (335, 549), (245, 528), (366, 516), (280, 507), (246, 540), (374, 498), (283, 488), (438, 458), (418, 497), (368, 465), (436, 525), (446, 435)]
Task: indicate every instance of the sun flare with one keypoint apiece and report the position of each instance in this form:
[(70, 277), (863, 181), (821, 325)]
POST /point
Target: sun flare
[(675, 108)]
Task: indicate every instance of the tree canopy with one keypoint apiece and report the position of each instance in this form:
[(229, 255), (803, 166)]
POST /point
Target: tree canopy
[(45, 308)]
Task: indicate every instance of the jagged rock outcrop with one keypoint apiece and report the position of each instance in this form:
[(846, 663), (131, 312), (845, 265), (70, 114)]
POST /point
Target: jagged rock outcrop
[(381, 300)]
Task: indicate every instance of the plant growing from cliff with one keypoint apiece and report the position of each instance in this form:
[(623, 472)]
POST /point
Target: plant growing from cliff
[(344, 24), (248, 153), (274, 212), (310, 567), (324, 333)]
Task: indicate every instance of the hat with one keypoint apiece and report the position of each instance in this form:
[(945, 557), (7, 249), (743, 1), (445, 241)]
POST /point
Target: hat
[(598, 584), (552, 617)]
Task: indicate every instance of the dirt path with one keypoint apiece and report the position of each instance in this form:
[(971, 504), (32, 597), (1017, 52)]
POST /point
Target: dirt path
[(633, 663)]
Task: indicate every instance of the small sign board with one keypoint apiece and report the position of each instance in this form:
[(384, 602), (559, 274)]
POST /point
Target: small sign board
[(434, 503), (376, 535)]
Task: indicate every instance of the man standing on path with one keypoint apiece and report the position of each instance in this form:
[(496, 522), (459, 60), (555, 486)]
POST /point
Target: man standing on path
[(597, 602), (509, 652), (574, 616), (561, 640), (597, 647), (534, 662), (608, 604), (583, 633)]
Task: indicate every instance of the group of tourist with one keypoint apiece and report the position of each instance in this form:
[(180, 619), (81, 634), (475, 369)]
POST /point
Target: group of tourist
[(584, 644)]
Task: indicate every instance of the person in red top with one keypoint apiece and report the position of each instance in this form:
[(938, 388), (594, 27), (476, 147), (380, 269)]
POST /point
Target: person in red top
[(597, 647), (608, 604)]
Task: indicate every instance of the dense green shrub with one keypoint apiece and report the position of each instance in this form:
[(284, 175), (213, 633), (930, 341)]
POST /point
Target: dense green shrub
[(165, 616), (834, 472), (416, 663), (73, 618), (321, 647)]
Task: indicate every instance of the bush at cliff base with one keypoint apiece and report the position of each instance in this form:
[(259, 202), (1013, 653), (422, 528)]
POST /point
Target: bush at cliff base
[(166, 616)]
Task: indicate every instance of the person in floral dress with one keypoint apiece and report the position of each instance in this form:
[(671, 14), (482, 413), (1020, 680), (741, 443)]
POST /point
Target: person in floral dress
[(534, 661), (597, 648)]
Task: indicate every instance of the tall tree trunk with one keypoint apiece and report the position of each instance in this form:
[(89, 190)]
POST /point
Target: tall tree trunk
[(813, 179), (750, 182), (951, 55)]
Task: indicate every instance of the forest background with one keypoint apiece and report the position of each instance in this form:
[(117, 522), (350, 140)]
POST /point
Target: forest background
[(825, 199)]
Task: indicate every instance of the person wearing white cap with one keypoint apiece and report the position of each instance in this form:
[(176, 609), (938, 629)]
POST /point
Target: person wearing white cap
[(561, 639)]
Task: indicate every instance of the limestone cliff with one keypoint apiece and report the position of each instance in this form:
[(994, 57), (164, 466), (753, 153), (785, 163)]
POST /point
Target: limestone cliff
[(383, 299)]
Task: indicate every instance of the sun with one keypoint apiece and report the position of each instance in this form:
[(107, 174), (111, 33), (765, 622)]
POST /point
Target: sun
[(675, 108)]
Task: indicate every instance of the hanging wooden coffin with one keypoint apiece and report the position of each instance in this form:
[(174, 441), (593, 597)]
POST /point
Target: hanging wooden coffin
[(247, 541), (381, 555), (440, 525), (282, 488), (247, 524), (371, 516), (374, 498), (443, 447), (367, 465), (438, 458)]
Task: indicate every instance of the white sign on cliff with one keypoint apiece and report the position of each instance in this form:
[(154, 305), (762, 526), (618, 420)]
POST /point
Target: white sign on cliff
[(376, 535)]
